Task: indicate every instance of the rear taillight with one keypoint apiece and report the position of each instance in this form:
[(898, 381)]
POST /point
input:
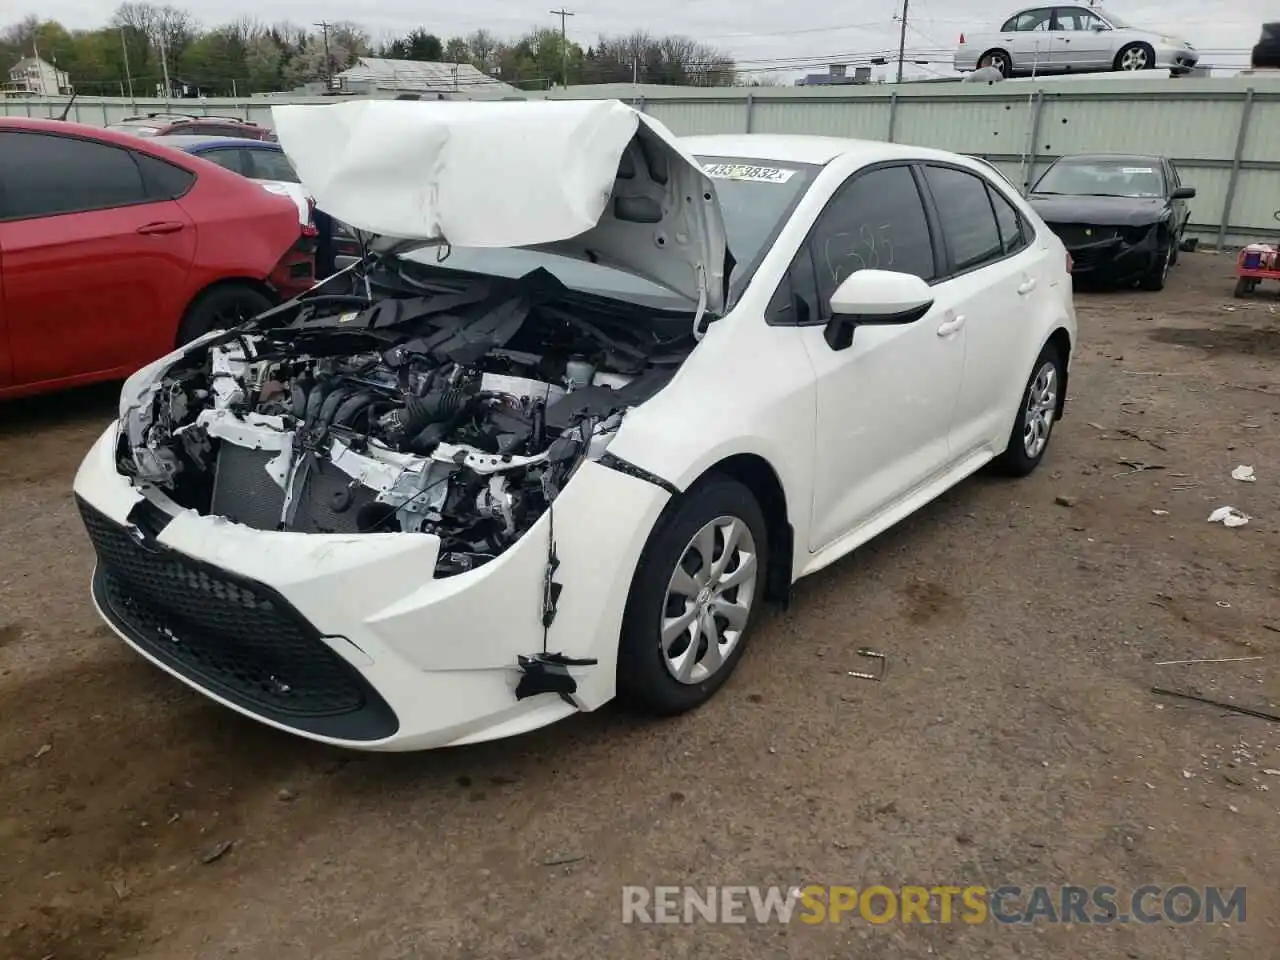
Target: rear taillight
[(962, 39), (309, 228), (1071, 264)]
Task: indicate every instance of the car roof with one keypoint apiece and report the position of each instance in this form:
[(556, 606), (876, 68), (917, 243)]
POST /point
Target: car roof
[(804, 148), (187, 141), (1117, 157), (42, 125)]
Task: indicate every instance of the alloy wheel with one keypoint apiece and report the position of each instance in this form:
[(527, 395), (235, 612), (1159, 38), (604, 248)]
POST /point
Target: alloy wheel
[(708, 600), (1042, 406), (1135, 58), (997, 61)]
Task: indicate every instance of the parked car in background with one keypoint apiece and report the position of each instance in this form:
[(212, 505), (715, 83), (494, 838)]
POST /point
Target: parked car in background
[(114, 250), (1071, 39), (1121, 218), (463, 491), (182, 124), (1266, 52), (260, 160)]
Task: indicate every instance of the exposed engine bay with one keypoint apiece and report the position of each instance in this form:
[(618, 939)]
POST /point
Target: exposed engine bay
[(401, 397)]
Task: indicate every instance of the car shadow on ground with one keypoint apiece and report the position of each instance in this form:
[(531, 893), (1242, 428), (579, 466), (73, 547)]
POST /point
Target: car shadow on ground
[(93, 403)]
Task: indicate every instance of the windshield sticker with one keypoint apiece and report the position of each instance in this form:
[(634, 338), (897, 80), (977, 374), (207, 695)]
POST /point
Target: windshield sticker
[(746, 171), (1130, 171)]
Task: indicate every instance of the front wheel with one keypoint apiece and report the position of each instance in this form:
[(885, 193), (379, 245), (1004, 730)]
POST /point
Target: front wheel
[(693, 600), (1157, 275), (1029, 438), (1136, 56)]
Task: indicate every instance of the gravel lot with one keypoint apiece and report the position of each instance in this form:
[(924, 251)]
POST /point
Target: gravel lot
[(1014, 740)]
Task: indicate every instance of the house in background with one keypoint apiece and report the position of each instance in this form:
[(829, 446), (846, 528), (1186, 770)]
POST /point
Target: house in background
[(837, 75), (374, 76), (33, 77)]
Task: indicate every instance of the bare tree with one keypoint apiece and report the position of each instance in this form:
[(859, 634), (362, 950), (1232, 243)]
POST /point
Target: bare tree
[(483, 46)]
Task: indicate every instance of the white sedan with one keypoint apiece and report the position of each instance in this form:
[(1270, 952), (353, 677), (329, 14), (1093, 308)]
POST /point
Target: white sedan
[(1071, 39), (583, 408)]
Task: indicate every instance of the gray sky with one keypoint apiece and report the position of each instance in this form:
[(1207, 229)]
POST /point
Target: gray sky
[(784, 37)]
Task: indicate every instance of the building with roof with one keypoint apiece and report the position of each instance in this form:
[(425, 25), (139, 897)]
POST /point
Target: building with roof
[(33, 77), (374, 75)]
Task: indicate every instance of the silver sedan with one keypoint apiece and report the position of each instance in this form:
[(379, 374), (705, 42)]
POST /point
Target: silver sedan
[(1072, 39)]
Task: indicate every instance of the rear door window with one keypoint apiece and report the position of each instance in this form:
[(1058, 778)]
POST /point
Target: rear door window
[(271, 165), (967, 217), (232, 158), (44, 175)]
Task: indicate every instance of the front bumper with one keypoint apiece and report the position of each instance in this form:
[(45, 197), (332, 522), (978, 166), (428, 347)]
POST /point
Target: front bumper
[(1175, 56), (348, 639), (1108, 254)]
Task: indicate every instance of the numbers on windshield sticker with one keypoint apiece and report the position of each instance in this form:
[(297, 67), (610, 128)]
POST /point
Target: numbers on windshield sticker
[(870, 248), (746, 171)]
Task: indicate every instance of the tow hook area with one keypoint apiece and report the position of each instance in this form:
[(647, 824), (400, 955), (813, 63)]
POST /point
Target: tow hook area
[(549, 673)]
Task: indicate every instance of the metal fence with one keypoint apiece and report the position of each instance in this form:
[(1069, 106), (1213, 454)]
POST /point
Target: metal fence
[(1224, 134)]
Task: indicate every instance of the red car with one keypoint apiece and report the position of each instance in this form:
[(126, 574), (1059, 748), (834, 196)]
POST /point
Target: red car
[(182, 125), (114, 251)]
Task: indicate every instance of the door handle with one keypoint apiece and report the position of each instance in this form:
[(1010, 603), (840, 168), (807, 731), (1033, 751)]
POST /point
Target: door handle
[(161, 226), (948, 327), (1027, 286)]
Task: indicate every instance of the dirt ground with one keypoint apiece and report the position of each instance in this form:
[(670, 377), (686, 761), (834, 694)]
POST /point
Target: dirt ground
[(1015, 739)]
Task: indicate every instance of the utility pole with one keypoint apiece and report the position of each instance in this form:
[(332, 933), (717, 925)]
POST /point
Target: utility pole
[(328, 61), (902, 38), (564, 46), (127, 75), (164, 66)]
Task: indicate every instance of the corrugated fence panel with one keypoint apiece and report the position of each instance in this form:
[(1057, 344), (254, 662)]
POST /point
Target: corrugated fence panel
[(964, 125), (1257, 200), (1262, 142), (1172, 127), (1211, 192), (863, 119), (686, 117)]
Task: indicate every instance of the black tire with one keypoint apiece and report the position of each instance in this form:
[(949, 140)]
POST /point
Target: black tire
[(999, 59), (1132, 48), (644, 681), (1015, 461), (1177, 247), (220, 307), (1155, 278), (1244, 287)]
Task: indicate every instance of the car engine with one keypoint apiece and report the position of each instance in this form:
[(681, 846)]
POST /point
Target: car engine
[(457, 406)]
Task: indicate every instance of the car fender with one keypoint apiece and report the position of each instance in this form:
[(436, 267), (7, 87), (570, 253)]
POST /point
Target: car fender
[(747, 389)]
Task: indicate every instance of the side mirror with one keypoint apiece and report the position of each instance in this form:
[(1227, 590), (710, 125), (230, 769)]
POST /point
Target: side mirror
[(1184, 193), (875, 298), (1099, 28)]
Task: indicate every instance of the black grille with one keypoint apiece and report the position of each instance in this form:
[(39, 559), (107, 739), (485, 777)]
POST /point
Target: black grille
[(232, 636)]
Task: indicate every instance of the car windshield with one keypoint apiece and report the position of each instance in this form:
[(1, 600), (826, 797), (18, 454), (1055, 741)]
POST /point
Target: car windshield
[(756, 198), (1118, 22), (1131, 177)]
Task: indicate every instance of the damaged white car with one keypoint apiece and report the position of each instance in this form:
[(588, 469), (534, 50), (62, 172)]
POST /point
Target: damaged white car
[(591, 397)]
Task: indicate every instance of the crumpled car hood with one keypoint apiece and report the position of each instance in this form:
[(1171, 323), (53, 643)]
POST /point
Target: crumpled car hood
[(589, 179)]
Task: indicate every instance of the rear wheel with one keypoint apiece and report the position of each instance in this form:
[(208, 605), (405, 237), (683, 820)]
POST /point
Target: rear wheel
[(220, 308), (1135, 56), (1244, 287), (1029, 438), (693, 600), (999, 59)]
